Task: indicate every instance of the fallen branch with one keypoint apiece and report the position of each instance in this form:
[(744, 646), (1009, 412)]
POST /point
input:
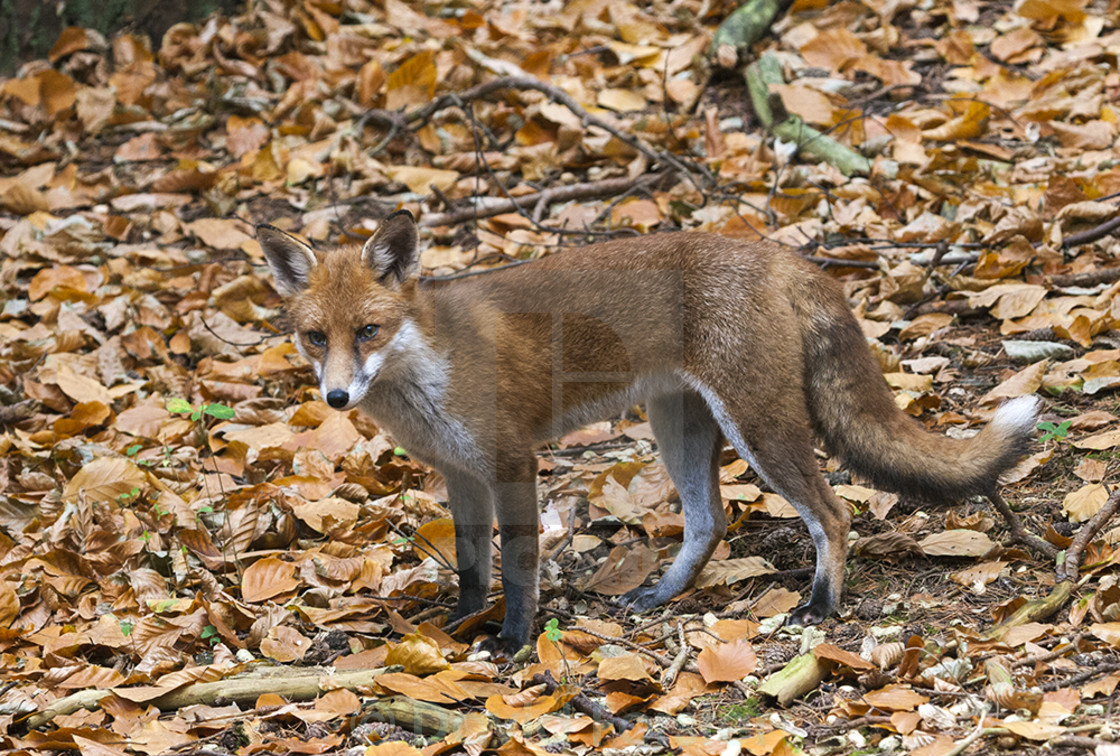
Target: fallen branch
[(790, 128), (486, 207), (1108, 228), (746, 25), (1098, 670), (422, 718), (1071, 567), (1089, 278), (1068, 572), (669, 676), (800, 675), (965, 743), (1019, 534), (555, 94), (292, 683), (583, 704)]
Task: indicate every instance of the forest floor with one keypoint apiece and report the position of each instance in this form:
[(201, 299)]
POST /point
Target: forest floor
[(197, 555)]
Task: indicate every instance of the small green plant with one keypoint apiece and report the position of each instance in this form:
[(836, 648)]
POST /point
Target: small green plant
[(1054, 431), (552, 630), (183, 407), (126, 627), (133, 450), (210, 635), (124, 498)]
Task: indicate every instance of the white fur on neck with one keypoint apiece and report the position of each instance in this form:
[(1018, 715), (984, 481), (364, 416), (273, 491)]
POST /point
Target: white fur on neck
[(408, 393)]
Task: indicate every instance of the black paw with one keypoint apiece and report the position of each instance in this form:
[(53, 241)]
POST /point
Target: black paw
[(502, 648), (640, 600), (808, 614)]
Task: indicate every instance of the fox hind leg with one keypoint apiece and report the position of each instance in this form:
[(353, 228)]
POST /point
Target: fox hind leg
[(781, 452), (688, 438)]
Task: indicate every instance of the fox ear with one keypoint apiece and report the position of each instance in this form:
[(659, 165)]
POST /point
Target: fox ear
[(290, 259), (391, 251)]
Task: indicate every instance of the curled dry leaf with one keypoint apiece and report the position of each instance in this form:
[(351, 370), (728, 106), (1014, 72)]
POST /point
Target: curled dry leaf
[(844, 658), (976, 578), (418, 654), (886, 655)]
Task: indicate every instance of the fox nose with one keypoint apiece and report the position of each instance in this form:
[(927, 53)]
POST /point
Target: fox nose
[(337, 398)]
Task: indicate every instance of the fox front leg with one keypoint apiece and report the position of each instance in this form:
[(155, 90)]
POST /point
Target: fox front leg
[(472, 510)]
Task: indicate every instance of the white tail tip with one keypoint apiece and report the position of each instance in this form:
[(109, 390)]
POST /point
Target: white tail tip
[(1019, 414)]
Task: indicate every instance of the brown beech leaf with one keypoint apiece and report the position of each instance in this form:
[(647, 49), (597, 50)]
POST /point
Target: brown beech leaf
[(623, 667), (957, 543), (9, 604), (104, 479), (726, 662), (729, 571), (268, 578), (1082, 504), (418, 654), (285, 644)]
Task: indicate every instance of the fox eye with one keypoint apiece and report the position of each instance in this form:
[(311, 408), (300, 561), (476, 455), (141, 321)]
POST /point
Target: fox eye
[(367, 332), (316, 338)]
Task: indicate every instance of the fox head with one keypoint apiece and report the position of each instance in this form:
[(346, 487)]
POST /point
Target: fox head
[(349, 306)]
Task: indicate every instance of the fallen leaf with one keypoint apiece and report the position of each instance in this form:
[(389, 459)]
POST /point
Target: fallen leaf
[(957, 543), (104, 479), (727, 662), (267, 578), (1082, 504), (418, 654)]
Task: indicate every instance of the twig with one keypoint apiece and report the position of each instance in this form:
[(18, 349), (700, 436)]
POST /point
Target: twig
[(665, 663), (972, 737), (477, 271), (490, 206), (1019, 534), (1097, 671), (435, 553), (1070, 568), (1089, 278), (583, 704), (295, 684), (220, 337), (452, 627), (674, 669), (571, 534), (1093, 234), (1078, 741), (1061, 650), (835, 262), (556, 95)]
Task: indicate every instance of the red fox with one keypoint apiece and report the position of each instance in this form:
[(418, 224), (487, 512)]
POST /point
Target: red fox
[(721, 339)]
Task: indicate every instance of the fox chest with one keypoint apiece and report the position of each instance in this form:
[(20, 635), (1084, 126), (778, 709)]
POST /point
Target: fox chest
[(419, 423)]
